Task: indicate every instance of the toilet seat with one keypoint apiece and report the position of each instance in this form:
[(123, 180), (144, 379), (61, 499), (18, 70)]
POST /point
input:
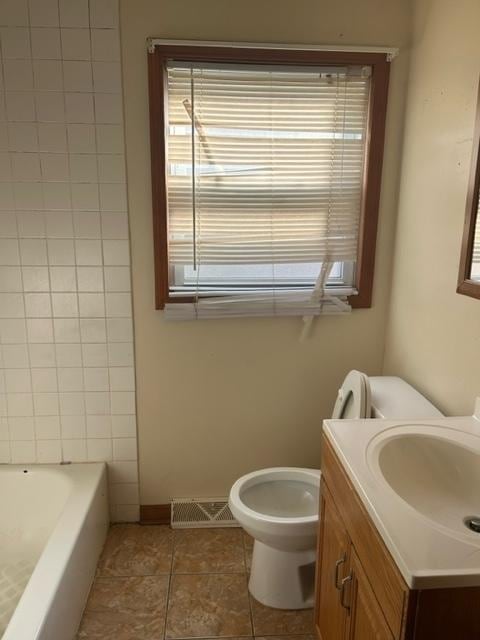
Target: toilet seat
[(354, 397), (258, 495)]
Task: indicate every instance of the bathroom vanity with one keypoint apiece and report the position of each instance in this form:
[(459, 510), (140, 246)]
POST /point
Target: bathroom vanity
[(395, 557)]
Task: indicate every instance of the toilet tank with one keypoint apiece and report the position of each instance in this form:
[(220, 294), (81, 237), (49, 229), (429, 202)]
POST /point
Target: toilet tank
[(392, 397)]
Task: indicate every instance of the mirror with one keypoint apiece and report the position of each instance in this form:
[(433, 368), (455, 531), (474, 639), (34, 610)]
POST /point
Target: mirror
[(469, 274)]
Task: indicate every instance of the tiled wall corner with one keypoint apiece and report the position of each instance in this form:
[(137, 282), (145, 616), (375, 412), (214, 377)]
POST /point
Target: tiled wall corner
[(66, 342)]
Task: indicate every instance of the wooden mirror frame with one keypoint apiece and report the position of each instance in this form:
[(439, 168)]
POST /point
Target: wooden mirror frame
[(466, 285)]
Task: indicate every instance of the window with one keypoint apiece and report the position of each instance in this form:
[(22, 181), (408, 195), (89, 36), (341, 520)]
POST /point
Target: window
[(266, 169)]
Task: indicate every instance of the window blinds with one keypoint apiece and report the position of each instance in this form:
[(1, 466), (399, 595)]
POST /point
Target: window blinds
[(264, 178)]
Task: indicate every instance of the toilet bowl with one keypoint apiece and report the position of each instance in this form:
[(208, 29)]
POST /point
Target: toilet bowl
[(278, 506)]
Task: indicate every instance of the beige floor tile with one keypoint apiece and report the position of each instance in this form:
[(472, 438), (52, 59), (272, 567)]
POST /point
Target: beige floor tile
[(126, 609), (208, 551), (114, 625), (208, 605), (135, 550), (273, 622)]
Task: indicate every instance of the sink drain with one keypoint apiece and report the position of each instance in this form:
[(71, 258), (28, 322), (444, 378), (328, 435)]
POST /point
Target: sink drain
[(472, 523)]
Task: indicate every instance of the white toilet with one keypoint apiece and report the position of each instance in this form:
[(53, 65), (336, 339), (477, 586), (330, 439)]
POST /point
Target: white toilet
[(278, 507)]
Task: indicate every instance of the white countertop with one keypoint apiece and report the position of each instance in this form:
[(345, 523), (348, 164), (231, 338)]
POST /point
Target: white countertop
[(429, 554)]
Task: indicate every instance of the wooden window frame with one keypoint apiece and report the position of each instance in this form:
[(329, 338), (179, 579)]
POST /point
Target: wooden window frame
[(157, 78), (466, 285)]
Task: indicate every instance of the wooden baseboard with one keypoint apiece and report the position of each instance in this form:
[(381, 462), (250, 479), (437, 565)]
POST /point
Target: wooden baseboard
[(155, 514)]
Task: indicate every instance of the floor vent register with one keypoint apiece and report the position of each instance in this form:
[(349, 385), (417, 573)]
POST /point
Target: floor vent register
[(201, 512)]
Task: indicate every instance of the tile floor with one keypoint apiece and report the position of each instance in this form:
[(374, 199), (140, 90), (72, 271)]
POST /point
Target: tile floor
[(154, 583)]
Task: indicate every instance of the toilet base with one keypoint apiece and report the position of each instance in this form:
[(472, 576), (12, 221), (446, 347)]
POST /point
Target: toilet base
[(282, 579)]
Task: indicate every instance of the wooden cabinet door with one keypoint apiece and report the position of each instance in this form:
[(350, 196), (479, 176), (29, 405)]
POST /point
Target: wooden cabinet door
[(365, 620), (332, 567)]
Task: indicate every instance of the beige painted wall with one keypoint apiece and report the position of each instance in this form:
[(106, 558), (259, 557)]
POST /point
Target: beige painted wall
[(433, 337), (217, 399)]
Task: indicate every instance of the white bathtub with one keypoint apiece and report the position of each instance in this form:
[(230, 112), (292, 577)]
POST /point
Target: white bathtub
[(53, 523)]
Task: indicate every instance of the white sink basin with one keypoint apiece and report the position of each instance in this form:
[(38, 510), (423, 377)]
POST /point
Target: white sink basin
[(439, 478)]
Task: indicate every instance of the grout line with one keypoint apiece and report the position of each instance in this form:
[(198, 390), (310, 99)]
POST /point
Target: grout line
[(215, 637), (265, 635), (244, 546), (170, 580), (209, 573), (247, 578)]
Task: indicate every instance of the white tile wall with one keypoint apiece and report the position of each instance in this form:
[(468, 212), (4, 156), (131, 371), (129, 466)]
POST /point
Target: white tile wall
[(66, 353)]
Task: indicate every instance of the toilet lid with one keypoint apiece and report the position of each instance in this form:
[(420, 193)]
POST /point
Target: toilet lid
[(353, 399)]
